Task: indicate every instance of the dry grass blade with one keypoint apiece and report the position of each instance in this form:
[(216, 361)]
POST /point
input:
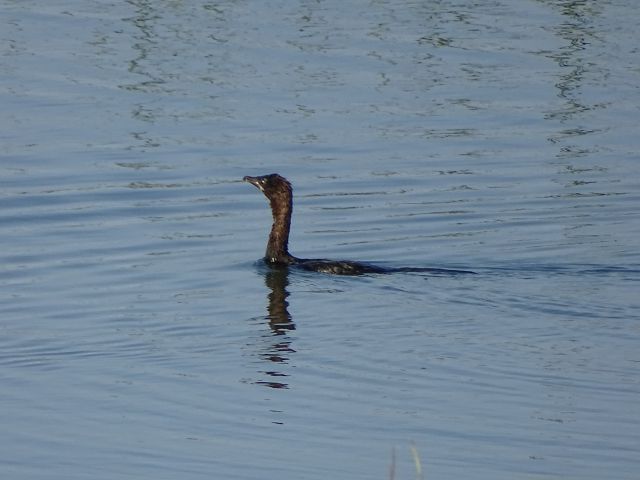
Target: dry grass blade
[(416, 461), (392, 469)]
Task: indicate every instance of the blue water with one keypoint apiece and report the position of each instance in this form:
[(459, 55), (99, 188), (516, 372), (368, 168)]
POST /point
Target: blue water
[(141, 338)]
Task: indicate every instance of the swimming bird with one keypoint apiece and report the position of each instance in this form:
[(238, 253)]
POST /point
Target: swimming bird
[(279, 192)]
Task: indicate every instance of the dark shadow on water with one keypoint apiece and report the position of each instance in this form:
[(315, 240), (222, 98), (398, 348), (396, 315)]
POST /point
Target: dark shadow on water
[(281, 323), (277, 279), (430, 271)]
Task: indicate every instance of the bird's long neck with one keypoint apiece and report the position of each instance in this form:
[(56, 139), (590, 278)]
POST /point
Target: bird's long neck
[(278, 246)]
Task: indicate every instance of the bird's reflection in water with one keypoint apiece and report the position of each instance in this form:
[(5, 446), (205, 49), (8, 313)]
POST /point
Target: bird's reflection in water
[(280, 323)]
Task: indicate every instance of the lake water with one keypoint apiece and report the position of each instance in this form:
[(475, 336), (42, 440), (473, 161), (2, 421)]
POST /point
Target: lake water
[(141, 338)]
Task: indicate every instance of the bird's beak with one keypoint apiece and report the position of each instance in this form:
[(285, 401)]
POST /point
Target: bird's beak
[(255, 181)]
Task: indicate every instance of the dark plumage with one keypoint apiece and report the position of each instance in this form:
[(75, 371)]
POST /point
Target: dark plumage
[(279, 192)]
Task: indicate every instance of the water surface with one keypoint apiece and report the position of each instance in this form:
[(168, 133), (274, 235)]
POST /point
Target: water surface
[(141, 338)]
